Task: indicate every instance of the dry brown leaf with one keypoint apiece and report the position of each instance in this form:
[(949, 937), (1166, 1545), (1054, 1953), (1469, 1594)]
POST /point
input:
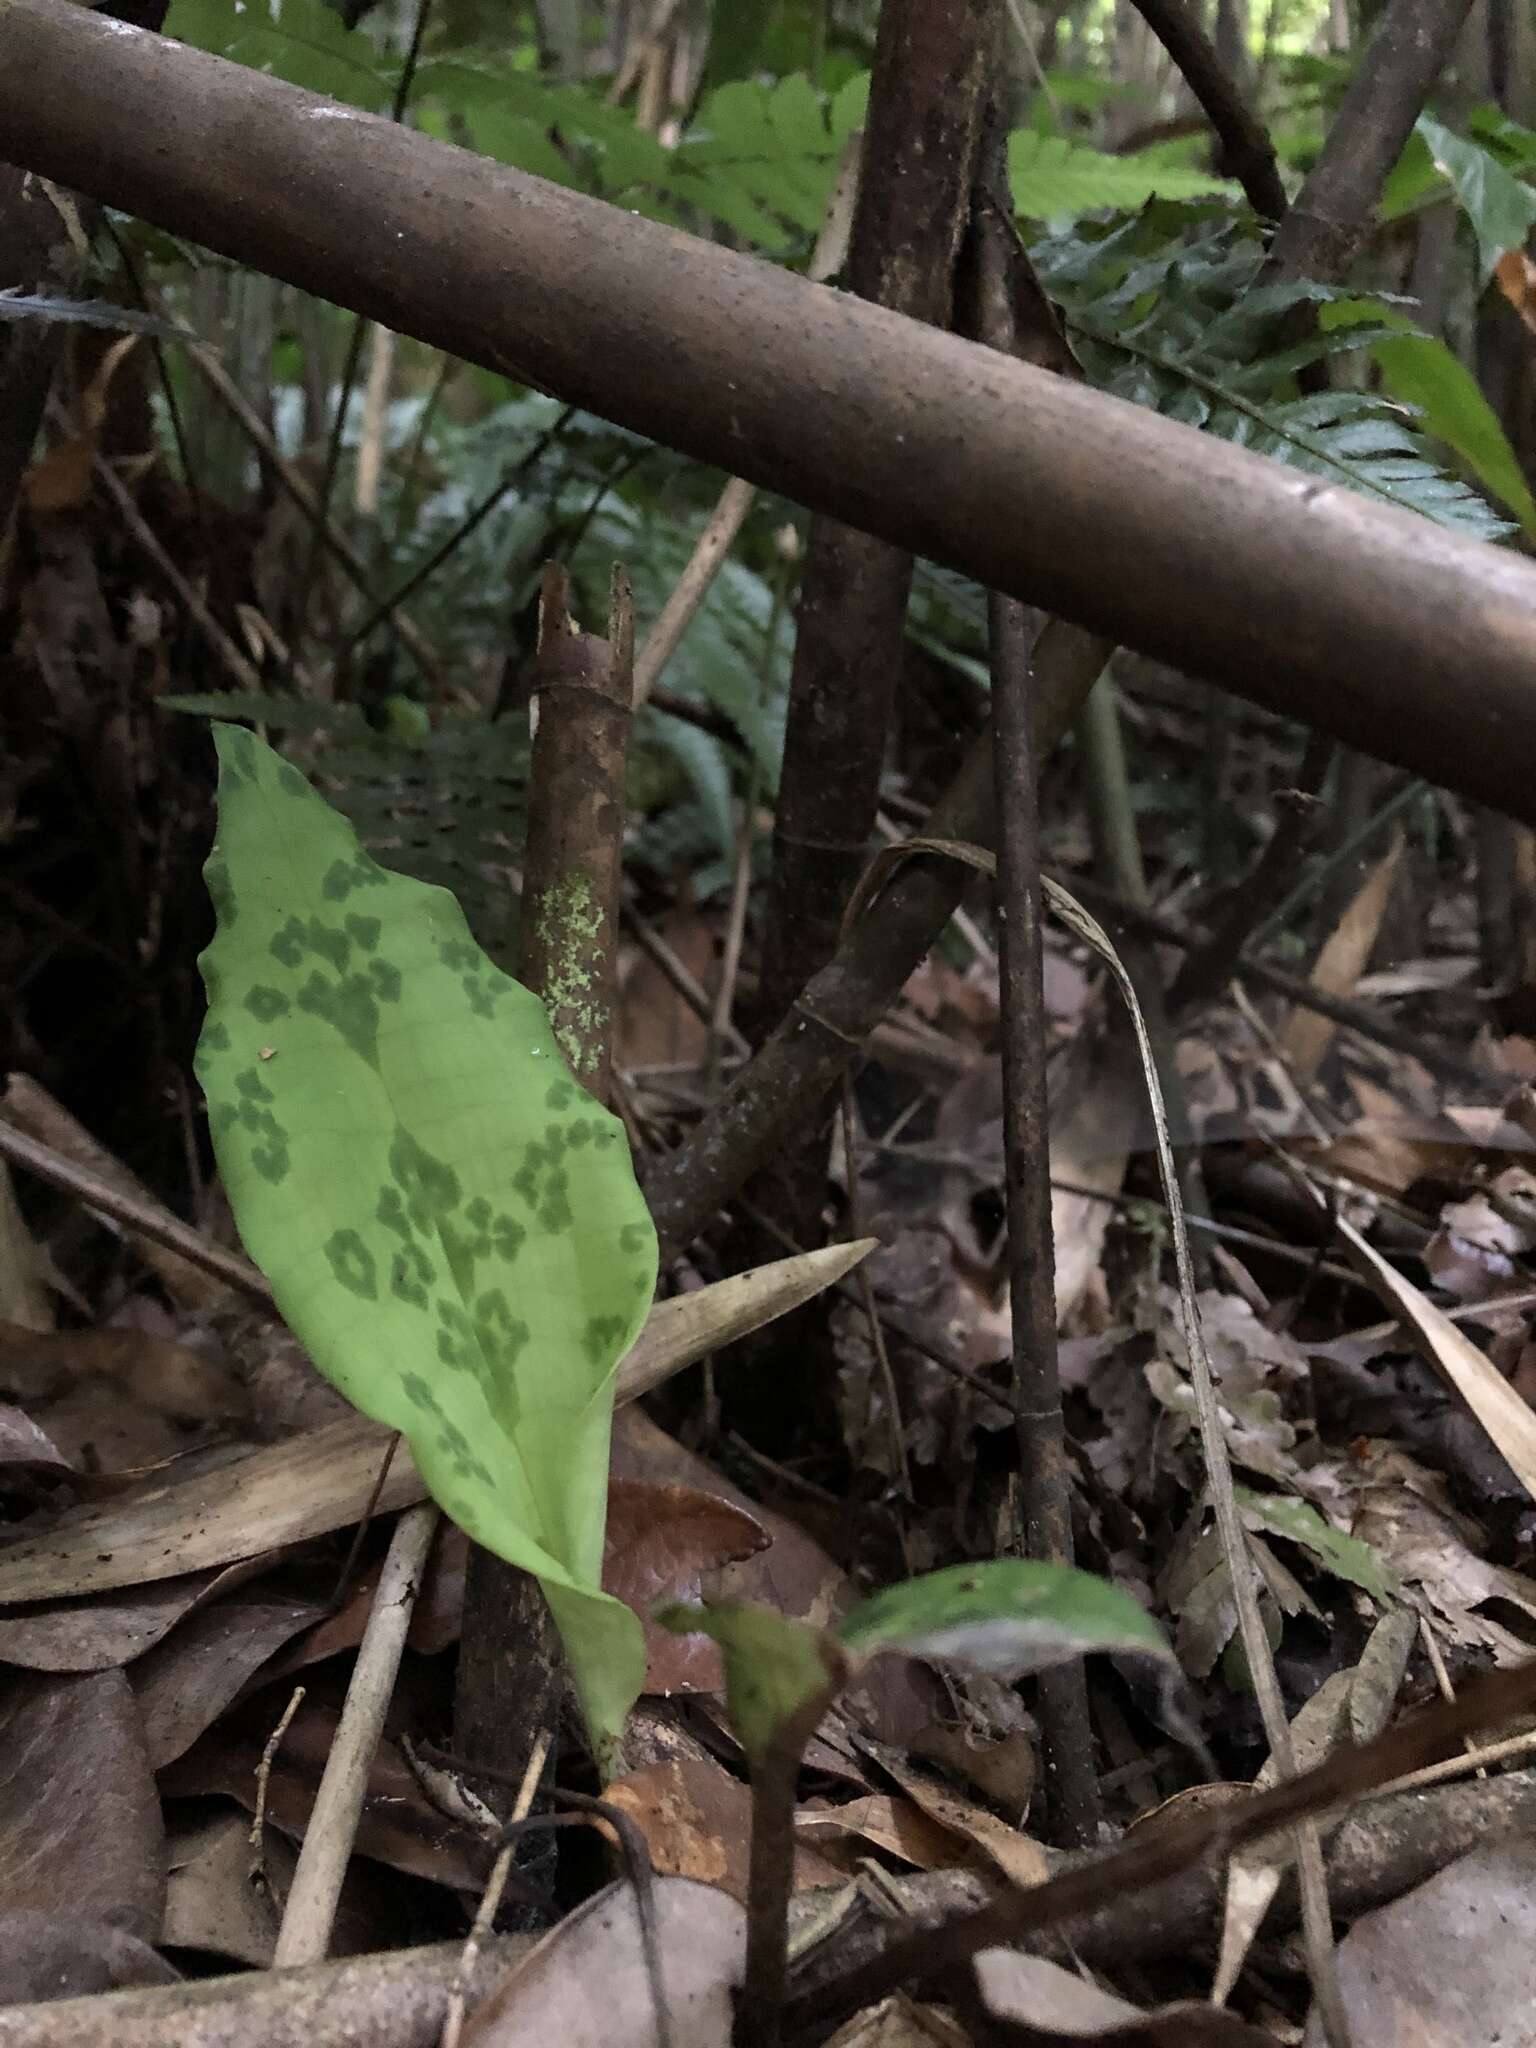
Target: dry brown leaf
[(900, 2022), (213, 1904), (897, 1826), (102, 1630), (1510, 1424), (1003, 1772), (47, 1956), (185, 1683), (1344, 958), (1515, 274), (25, 1267), (1423, 1546), (28, 1452), (435, 1618), (1008, 1849), (585, 1985), (1048, 2007), (662, 1541), (697, 1822), (113, 1399), (211, 1900), (399, 1824), (894, 1696), (1449, 1965), (80, 1828), (1391, 1149)]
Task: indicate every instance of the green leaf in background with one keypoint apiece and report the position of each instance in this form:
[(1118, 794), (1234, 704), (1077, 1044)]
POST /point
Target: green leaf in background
[(300, 41), (1422, 372), (1299, 1522), (750, 37), (1053, 179), (1010, 1616), (1501, 209), (451, 1226), (776, 1669)]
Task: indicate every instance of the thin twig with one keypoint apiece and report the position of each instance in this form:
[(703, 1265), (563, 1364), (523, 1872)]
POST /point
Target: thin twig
[(735, 933), (1476, 1760), (143, 536), (141, 1215), (898, 1435), (349, 1563), (682, 979), (1247, 150), (692, 587), (305, 1934), (1354, 1016), (398, 104), (258, 1829), (292, 480), (1151, 1856), (1045, 1491), (490, 1898)]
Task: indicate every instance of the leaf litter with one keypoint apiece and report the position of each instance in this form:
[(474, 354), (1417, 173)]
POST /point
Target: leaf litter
[(177, 1547)]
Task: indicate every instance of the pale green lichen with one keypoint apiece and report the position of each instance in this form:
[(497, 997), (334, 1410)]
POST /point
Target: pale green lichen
[(570, 923)]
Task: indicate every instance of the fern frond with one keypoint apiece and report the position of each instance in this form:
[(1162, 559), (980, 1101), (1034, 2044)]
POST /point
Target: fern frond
[(1169, 310)]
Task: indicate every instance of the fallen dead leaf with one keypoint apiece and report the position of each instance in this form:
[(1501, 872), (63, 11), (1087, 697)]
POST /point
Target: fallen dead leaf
[(1345, 955), (1451, 1964), (100, 1631), (1003, 1772), (185, 1683), (697, 1823), (1434, 1559), (80, 1828), (115, 1399), (212, 1901), (900, 2022), (28, 1455), (662, 1541), (435, 1618), (1510, 1424), (308, 1485), (1008, 1849), (1048, 2007), (399, 1825), (897, 1826), (895, 1696), (215, 1905), (585, 1985), (1516, 276), (44, 1956)]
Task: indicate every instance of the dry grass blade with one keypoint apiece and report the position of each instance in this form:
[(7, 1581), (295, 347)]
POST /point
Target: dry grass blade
[(309, 1485), (1503, 1414)]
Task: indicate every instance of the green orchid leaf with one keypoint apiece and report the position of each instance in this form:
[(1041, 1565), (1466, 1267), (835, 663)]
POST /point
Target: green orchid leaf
[(777, 1671), (1010, 1617), (450, 1225)]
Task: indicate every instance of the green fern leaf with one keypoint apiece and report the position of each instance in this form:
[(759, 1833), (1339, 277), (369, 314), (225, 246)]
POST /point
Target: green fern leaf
[(1053, 179)]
